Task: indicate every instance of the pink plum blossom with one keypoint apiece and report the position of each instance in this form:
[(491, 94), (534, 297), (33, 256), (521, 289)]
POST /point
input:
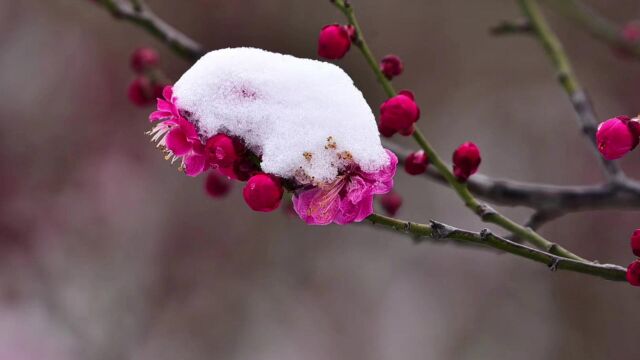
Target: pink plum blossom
[(347, 199)]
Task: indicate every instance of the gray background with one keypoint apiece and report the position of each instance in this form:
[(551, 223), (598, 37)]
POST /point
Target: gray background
[(106, 252)]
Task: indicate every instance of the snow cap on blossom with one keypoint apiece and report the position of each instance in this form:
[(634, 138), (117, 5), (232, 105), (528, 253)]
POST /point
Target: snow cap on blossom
[(466, 160), (304, 118), (617, 136), (399, 113), (334, 41)]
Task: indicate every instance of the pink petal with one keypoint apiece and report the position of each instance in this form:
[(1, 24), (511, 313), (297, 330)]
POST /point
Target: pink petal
[(194, 164), (167, 92), (177, 142), (318, 206)]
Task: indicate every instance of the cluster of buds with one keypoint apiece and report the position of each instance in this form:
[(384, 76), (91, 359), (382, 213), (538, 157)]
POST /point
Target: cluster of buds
[(147, 85), (179, 140), (617, 136), (398, 115), (633, 270), (335, 40)]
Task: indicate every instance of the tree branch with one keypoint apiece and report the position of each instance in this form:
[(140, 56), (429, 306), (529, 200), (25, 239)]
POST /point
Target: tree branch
[(140, 14), (564, 72), (439, 231), (564, 198)]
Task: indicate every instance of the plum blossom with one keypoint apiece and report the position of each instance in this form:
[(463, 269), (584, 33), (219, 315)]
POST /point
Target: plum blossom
[(347, 199), (177, 136)]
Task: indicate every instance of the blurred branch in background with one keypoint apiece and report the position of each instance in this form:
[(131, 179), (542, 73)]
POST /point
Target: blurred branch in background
[(597, 25), (139, 13)]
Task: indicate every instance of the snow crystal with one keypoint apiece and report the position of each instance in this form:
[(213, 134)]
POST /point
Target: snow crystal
[(304, 117)]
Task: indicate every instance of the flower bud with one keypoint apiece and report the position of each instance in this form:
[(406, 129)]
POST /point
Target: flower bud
[(222, 150), (633, 273), (216, 185), (416, 163), (143, 92), (391, 202), (466, 160), (143, 59), (635, 242), (617, 136), (391, 66), (386, 132), (334, 41), (399, 112), (263, 193)]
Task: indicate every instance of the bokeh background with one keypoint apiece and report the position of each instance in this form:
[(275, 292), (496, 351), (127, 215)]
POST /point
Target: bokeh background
[(106, 252)]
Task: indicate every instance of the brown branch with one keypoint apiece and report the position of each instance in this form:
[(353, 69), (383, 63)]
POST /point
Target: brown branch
[(140, 14)]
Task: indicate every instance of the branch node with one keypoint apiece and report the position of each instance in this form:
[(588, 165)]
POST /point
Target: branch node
[(439, 230), (485, 212), (554, 264), (485, 234)]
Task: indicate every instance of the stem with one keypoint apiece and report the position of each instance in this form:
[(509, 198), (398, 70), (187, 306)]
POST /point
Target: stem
[(579, 99), (486, 214), (437, 231)]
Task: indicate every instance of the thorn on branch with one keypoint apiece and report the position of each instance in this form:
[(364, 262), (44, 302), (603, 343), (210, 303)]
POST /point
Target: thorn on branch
[(553, 266)]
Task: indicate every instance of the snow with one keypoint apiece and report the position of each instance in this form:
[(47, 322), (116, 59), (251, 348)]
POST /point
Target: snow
[(304, 117)]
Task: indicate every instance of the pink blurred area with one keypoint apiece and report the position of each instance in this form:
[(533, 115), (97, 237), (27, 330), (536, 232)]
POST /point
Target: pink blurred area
[(107, 252)]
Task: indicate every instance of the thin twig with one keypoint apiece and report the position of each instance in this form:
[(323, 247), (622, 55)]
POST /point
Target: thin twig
[(565, 75), (439, 231)]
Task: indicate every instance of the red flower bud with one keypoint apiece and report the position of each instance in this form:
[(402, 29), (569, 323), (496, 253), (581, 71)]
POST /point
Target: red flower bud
[(391, 66), (617, 136), (635, 242), (263, 193), (143, 92), (143, 59), (386, 132), (391, 202), (216, 185), (633, 273), (399, 112), (334, 41), (416, 163), (222, 150), (466, 160)]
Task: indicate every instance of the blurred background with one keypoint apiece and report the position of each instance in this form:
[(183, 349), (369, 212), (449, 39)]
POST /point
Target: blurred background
[(106, 252)]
